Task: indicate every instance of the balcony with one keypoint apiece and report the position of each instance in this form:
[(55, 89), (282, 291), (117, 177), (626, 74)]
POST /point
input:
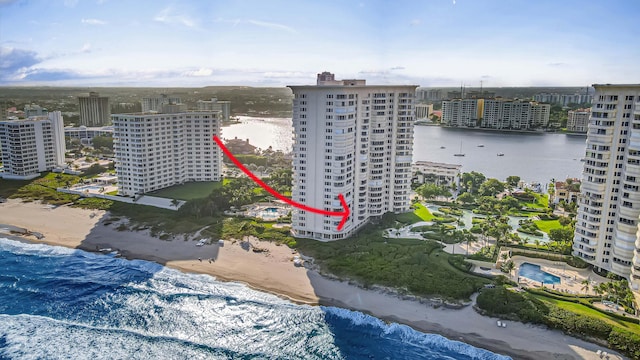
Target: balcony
[(620, 269)]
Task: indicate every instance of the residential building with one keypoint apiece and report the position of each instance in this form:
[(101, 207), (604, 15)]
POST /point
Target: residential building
[(609, 205), (440, 173), (352, 139), (423, 111), (86, 134), (423, 94), (154, 103), (514, 114), (461, 112), (578, 120), (239, 146), (30, 146), (563, 99), (567, 191), (215, 105), (34, 110), (94, 110), (158, 150)]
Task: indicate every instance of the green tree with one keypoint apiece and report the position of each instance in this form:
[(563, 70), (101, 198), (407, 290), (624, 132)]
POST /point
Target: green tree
[(466, 198), (471, 181), (513, 181), (564, 220), (100, 142), (94, 170), (491, 187), (561, 235), (430, 191)]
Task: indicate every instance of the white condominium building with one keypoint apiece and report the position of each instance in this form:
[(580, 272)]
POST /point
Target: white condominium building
[(154, 151), (216, 105), (609, 206), (578, 120), (94, 110), (154, 103), (461, 112), (32, 145), (514, 114), (355, 140), (86, 134)]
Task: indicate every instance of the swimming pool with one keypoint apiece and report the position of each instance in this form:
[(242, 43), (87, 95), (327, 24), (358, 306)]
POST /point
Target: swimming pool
[(89, 187), (533, 272)]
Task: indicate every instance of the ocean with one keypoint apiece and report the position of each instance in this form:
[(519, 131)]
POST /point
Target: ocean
[(60, 303)]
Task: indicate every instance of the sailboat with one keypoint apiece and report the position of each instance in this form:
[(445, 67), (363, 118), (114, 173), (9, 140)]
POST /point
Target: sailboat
[(460, 153)]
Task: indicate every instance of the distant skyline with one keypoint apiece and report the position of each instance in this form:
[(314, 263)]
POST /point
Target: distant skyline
[(277, 43)]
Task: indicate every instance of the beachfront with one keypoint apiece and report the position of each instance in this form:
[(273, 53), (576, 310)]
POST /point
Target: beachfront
[(273, 271)]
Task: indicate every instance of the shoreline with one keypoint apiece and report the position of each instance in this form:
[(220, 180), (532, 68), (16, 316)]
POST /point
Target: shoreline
[(273, 272)]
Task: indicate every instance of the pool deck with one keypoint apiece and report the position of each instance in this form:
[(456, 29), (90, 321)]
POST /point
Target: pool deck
[(570, 278)]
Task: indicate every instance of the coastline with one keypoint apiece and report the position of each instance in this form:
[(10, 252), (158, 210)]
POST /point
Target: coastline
[(273, 272)]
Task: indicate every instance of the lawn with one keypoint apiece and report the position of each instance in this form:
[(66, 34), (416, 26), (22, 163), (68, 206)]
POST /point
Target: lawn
[(547, 225), (421, 213), (10, 187), (587, 311), (542, 202), (189, 191)]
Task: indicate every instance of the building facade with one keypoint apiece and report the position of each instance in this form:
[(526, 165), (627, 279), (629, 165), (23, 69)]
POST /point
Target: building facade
[(154, 103), (154, 151), (86, 134), (30, 146), (423, 111), (215, 105), (441, 173), (578, 120), (514, 114), (609, 205), (34, 110), (461, 112), (350, 139), (94, 110)]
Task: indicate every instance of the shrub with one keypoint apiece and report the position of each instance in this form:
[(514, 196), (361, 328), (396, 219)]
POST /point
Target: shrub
[(625, 341)]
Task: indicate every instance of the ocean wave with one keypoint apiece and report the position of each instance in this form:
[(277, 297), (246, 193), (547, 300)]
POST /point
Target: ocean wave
[(65, 303)]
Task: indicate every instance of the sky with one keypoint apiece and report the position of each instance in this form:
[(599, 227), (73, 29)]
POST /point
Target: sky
[(428, 43)]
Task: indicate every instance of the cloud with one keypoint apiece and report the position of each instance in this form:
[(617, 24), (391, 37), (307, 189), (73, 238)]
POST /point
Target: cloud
[(199, 73), (415, 22), (86, 48), (70, 3), (557, 64), (397, 68), (93, 22), (14, 61), (168, 16), (272, 25), (50, 75)]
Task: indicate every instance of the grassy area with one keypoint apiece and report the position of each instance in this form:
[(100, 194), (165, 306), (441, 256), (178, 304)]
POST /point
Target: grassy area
[(10, 187), (43, 189), (421, 213), (547, 225), (581, 309), (189, 191), (541, 202), (417, 266)]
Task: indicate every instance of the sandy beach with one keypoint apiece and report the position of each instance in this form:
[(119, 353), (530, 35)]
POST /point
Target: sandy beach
[(273, 271)]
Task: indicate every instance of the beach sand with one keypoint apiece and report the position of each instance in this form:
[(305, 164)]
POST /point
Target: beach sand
[(273, 271)]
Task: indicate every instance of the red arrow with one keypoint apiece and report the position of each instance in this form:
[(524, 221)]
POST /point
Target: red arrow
[(344, 214)]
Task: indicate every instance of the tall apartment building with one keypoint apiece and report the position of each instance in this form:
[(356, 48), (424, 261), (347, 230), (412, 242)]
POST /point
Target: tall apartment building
[(609, 206), (563, 99), (94, 110), (215, 105), (461, 112), (350, 139), (154, 151), (514, 114), (30, 146), (578, 120), (154, 103)]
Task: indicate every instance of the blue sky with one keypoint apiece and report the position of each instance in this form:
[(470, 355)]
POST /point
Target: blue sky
[(275, 43)]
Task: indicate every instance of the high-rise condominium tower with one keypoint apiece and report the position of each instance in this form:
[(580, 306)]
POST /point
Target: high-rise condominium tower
[(607, 223), (94, 110), (30, 146), (154, 151), (355, 140)]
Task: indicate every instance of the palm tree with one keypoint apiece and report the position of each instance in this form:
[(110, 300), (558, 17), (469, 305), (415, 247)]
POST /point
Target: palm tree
[(175, 203), (537, 242), (585, 285)]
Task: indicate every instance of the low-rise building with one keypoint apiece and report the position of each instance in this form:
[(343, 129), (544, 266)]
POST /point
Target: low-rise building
[(423, 111), (86, 134), (567, 191), (439, 173)]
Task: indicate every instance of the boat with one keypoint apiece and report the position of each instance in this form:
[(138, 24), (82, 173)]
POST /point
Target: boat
[(460, 153), (442, 147), (500, 154), (480, 145)]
